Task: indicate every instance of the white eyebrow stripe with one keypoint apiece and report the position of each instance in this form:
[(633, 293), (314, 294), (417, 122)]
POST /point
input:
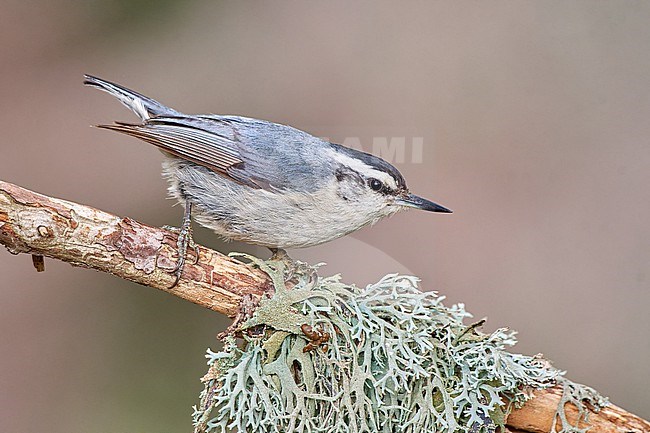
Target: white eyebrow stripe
[(364, 169)]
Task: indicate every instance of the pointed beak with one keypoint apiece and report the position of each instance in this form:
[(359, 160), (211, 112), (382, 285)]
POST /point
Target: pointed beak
[(416, 202)]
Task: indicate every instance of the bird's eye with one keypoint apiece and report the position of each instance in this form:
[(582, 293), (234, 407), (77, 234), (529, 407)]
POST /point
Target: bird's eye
[(375, 184)]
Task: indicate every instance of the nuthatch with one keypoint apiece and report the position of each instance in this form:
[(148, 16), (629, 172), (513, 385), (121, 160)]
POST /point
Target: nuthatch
[(261, 182)]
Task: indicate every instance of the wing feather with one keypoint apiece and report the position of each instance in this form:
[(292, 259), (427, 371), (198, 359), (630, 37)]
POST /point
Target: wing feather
[(184, 140)]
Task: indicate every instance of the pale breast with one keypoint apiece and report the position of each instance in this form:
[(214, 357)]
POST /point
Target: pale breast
[(277, 219)]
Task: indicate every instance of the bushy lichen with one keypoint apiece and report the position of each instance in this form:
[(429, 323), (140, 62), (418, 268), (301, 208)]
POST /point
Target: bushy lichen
[(396, 359)]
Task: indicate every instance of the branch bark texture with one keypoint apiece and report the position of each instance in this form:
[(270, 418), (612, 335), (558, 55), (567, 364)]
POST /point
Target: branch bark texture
[(40, 225), (536, 416), (83, 236)]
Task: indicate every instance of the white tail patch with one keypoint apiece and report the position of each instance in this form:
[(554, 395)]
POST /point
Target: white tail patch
[(139, 109)]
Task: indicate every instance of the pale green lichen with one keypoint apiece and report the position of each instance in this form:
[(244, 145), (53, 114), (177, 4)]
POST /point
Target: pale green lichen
[(397, 360), (581, 397)]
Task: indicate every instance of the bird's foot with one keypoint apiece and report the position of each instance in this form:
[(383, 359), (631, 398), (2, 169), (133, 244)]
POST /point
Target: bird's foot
[(183, 241), (290, 266), (279, 254)]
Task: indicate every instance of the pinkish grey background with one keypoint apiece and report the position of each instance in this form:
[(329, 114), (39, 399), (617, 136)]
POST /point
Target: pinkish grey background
[(534, 119)]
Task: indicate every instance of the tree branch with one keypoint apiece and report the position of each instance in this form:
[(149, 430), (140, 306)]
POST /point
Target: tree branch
[(36, 224), (536, 416), (83, 236)]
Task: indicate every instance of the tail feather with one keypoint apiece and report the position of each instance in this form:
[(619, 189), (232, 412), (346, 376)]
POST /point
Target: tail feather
[(141, 105)]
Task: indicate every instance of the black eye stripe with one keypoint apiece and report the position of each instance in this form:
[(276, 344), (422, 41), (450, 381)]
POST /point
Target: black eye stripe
[(344, 173), (373, 161)]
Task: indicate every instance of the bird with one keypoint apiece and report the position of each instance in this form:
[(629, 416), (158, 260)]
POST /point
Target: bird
[(260, 182)]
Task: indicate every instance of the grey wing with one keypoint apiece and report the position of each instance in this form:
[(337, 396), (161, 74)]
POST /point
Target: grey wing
[(188, 138), (276, 157), (252, 152)]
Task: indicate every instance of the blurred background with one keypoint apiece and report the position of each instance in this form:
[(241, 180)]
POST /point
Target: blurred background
[(528, 119)]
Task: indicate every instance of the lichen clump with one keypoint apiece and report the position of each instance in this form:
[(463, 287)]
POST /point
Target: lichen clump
[(395, 359)]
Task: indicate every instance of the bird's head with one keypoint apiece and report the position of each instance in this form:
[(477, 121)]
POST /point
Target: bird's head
[(372, 185)]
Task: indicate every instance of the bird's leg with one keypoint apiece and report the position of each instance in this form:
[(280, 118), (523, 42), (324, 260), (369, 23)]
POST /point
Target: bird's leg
[(289, 265), (184, 240), (278, 254)]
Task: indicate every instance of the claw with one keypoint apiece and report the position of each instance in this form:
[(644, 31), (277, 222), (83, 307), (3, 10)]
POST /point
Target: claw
[(177, 274), (196, 251)]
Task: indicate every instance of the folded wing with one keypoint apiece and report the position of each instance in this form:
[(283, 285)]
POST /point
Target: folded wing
[(186, 139)]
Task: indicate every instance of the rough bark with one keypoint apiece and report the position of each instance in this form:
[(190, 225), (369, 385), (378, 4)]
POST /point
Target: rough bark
[(536, 416), (83, 236), (39, 225)]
